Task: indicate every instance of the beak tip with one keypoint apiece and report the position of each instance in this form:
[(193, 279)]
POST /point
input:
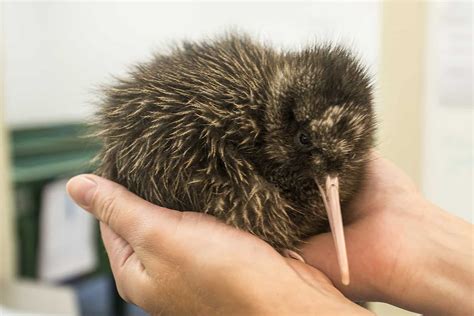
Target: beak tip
[(345, 279)]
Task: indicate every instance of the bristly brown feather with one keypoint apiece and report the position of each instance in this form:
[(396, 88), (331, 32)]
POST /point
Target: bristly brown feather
[(211, 127)]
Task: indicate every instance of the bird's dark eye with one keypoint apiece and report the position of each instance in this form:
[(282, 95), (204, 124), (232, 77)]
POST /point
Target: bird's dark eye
[(303, 139)]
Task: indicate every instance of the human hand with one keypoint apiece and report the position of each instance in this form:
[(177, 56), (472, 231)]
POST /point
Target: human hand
[(189, 263), (402, 249)]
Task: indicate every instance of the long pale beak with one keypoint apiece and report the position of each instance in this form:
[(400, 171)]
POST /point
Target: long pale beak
[(331, 201)]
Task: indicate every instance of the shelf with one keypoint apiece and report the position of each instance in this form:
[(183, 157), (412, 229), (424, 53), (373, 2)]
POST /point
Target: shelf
[(49, 152)]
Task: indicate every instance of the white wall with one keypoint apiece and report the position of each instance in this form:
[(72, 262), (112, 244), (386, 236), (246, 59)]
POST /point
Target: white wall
[(448, 156), (7, 232), (57, 53)]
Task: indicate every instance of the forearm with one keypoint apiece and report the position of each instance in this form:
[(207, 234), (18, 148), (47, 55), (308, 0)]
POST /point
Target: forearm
[(440, 279)]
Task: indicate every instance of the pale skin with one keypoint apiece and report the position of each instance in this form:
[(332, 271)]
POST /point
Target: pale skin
[(402, 250)]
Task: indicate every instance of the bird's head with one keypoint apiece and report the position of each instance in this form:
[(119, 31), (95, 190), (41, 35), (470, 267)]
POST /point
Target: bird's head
[(319, 129)]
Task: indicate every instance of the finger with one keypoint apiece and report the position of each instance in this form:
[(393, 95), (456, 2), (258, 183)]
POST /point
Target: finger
[(126, 214), (319, 252), (118, 250), (131, 279), (321, 283), (309, 274)]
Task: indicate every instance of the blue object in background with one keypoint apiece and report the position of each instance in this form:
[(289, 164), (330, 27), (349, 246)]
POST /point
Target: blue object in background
[(94, 295), (133, 310)]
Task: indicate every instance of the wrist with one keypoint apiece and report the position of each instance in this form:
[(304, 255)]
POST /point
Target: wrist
[(309, 303), (433, 273), (309, 293)]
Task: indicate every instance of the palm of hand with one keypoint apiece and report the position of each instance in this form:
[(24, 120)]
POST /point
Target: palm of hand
[(378, 235), (196, 251)]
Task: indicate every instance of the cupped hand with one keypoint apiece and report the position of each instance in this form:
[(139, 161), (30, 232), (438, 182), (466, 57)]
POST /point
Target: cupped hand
[(171, 262), (401, 249)]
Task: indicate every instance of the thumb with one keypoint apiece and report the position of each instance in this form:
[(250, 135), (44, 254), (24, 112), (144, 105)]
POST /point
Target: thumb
[(128, 215)]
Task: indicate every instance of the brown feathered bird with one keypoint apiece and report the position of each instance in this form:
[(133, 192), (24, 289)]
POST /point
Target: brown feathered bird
[(266, 141)]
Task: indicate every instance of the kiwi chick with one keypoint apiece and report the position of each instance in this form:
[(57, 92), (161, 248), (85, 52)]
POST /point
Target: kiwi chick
[(235, 129)]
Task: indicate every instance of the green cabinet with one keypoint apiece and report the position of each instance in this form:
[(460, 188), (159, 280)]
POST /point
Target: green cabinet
[(40, 155)]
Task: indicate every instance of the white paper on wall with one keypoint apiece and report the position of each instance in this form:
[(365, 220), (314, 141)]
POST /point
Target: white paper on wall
[(67, 236)]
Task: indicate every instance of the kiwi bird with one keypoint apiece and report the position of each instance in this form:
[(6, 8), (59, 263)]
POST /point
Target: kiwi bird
[(271, 142)]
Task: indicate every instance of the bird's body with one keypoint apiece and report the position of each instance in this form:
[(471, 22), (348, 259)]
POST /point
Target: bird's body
[(237, 130)]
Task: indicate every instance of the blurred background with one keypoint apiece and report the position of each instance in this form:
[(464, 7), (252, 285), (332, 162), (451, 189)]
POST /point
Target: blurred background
[(54, 55)]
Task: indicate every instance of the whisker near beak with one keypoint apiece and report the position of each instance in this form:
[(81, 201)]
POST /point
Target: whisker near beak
[(330, 195)]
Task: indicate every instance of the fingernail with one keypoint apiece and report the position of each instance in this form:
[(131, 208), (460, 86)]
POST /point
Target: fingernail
[(82, 189)]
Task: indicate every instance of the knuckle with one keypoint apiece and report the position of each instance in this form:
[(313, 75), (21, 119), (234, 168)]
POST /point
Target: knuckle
[(108, 206), (121, 289), (132, 290), (127, 283)]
